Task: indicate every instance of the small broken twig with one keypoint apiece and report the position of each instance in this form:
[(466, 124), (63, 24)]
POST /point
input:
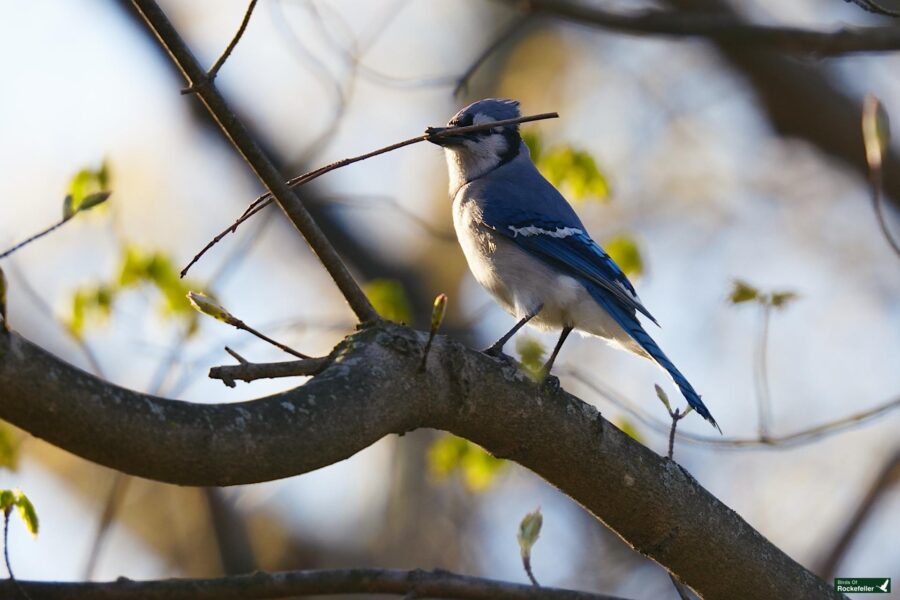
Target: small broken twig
[(248, 371), (214, 70)]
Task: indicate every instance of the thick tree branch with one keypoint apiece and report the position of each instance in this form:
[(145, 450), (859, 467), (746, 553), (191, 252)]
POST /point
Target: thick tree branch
[(421, 584), (371, 388), (725, 29), (157, 21)]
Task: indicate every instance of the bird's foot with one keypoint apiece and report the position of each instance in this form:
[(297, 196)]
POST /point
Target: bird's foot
[(550, 383), (496, 351)]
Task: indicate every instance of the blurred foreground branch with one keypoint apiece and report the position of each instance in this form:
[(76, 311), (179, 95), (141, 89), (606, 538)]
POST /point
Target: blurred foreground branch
[(420, 584), (725, 29)]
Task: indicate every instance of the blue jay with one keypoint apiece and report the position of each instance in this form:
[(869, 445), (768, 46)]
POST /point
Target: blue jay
[(528, 248)]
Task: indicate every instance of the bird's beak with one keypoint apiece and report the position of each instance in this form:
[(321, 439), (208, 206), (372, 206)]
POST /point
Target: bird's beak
[(444, 140)]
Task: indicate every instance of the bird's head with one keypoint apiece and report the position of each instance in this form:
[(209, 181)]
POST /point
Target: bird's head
[(471, 155)]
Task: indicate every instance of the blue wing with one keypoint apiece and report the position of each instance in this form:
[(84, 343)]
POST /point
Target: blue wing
[(571, 250)]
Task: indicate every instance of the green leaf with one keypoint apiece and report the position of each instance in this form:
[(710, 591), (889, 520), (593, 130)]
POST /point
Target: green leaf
[(205, 305), (535, 144), (27, 513), (7, 500), (9, 449), (575, 172), (10, 499), (529, 532), (87, 186), (531, 355), (438, 310), (663, 397), (92, 200), (782, 299), (389, 298), (625, 253), (140, 267), (450, 454), (629, 429), (68, 207), (90, 304), (741, 291)]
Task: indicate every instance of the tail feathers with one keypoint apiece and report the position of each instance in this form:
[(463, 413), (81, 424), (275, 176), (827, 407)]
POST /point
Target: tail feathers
[(628, 322), (692, 397)]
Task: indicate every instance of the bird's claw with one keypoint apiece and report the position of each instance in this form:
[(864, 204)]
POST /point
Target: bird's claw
[(550, 383), (495, 351)]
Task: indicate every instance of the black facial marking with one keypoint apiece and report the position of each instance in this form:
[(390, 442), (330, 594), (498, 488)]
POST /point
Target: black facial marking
[(462, 121), (513, 141)]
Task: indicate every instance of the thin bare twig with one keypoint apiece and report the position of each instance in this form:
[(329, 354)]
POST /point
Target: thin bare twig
[(264, 200), (763, 397), (798, 438), (12, 577), (35, 237), (676, 416), (248, 371), (214, 70)]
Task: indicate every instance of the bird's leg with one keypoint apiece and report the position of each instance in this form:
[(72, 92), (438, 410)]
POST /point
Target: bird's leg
[(496, 348), (562, 338)]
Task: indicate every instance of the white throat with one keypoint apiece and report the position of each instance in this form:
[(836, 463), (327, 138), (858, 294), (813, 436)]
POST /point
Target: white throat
[(473, 159)]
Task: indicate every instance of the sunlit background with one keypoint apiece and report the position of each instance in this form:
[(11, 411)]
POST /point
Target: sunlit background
[(661, 146)]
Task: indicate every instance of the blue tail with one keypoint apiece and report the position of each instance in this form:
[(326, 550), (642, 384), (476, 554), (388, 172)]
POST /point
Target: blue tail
[(628, 321)]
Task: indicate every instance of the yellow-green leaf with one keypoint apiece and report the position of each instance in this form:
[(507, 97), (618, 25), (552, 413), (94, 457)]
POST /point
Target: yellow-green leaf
[(741, 291), (450, 454), (92, 200), (87, 185), (625, 253), (531, 355), (663, 397), (68, 207), (27, 513), (9, 449), (206, 306), (90, 304), (534, 142), (782, 299), (389, 298), (529, 531), (575, 172), (438, 310), (629, 429), (7, 500), (876, 130)]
